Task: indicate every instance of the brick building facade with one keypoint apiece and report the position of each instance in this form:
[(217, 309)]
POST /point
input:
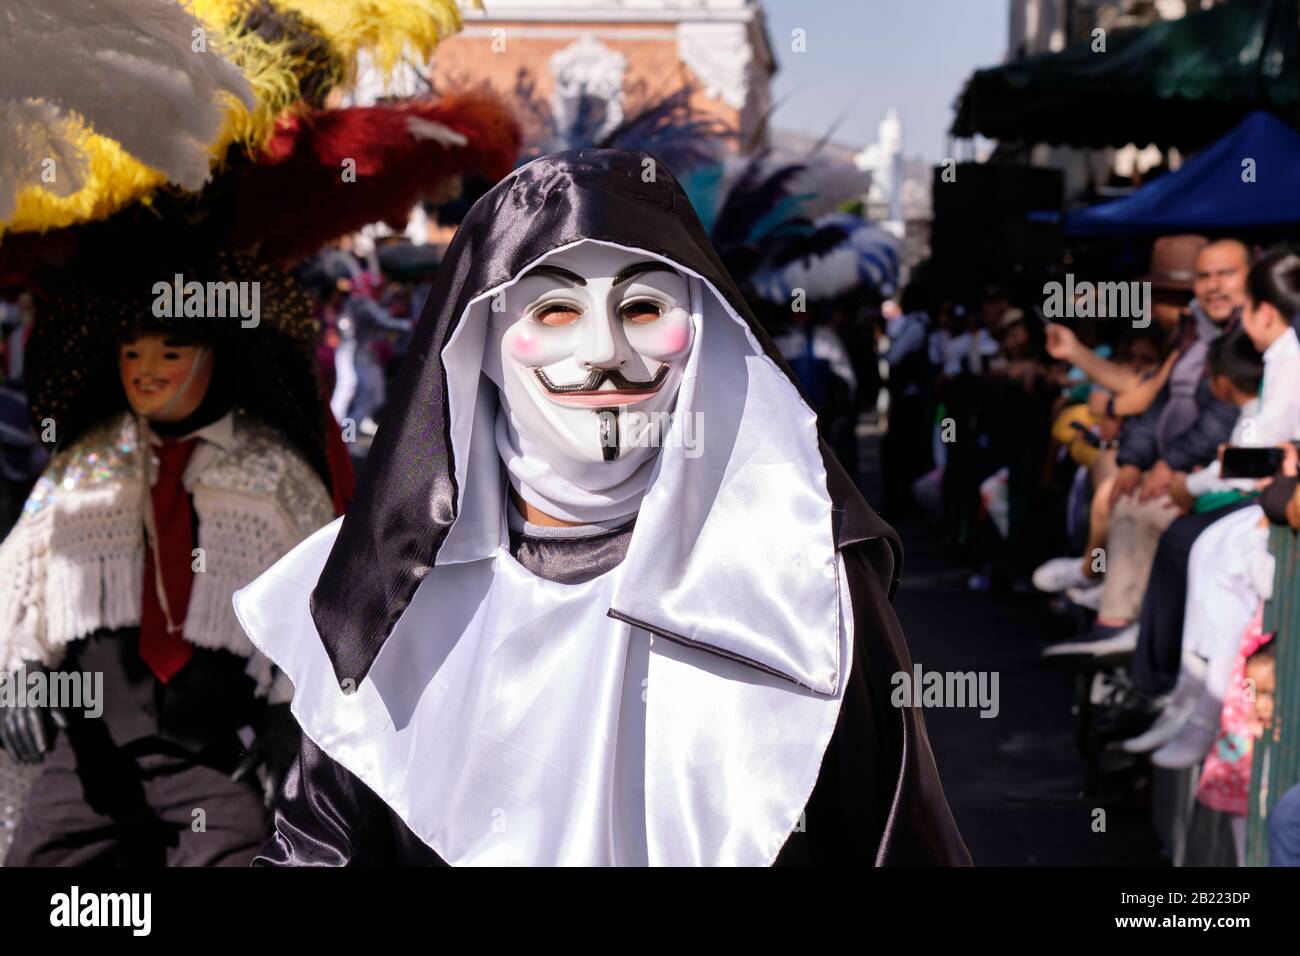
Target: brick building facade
[(607, 57)]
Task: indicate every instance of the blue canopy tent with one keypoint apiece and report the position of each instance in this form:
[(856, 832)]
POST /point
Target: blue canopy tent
[(1248, 179)]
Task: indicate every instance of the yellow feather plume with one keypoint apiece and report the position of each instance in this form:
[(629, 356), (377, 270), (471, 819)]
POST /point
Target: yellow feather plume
[(216, 12), (272, 72), (270, 68), (113, 179), (387, 30)]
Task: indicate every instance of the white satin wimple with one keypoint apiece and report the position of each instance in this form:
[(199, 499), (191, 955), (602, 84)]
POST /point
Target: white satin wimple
[(509, 721), (590, 740)]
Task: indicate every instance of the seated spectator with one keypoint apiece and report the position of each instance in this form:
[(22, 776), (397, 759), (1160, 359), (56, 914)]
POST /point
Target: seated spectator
[(1090, 432), (1230, 571), (1180, 431), (1236, 372), (1217, 834)]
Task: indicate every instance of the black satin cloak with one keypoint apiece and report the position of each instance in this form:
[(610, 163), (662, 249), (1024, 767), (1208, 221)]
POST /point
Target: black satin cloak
[(877, 799)]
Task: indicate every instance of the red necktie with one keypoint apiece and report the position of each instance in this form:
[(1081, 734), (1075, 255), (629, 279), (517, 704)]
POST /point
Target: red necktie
[(164, 650)]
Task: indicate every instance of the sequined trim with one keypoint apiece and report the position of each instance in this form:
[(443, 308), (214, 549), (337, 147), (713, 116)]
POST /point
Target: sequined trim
[(261, 465), (104, 455)]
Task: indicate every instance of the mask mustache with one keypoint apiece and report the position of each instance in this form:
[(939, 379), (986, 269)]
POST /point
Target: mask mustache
[(598, 377)]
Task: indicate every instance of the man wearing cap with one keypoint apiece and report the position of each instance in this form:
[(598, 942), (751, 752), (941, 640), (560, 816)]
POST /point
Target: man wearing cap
[(1172, 275)]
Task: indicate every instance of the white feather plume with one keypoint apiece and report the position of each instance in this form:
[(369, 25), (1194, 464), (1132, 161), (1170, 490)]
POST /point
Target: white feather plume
[(126, 69), (829, 182), (867, 257), (37, 146), (421, 128)]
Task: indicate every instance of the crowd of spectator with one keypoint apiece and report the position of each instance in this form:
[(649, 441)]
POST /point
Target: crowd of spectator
[(1133, 467)]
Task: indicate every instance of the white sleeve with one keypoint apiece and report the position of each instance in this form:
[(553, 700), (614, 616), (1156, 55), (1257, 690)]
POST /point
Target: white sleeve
[(24, 567), (1205, 481)]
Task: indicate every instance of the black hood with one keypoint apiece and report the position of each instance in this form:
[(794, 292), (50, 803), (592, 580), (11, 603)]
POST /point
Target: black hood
[(405, 503)]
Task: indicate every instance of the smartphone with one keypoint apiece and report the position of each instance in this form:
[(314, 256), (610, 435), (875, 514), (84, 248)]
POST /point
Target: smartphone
[(1241, 462)]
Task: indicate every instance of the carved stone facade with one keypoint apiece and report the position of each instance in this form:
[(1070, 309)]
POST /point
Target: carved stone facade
[(583, 72), (597, 60)]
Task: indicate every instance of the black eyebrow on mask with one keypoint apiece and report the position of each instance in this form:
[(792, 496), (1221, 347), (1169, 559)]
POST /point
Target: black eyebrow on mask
[(555, 272), (640, 268)]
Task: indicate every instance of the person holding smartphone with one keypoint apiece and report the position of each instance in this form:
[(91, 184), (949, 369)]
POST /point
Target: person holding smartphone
[(1275, 420), (1230, 570), (1236, 370)]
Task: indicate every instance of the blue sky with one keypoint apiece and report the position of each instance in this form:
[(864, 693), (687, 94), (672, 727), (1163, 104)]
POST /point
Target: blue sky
[(864, 56)]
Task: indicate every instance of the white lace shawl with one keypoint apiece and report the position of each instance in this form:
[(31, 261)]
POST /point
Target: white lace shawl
[(74, 562)]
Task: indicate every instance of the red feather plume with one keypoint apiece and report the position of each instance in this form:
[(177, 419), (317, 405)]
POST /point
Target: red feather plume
[(330, 172), (291, 199)]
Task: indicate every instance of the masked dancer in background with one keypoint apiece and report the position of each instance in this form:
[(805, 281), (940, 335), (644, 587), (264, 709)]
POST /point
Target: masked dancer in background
[(190, 456)]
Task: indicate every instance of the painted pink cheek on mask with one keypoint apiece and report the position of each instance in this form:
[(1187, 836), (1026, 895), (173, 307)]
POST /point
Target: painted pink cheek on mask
[(535, 347), (524, 348), (677, 338), (669, 337)]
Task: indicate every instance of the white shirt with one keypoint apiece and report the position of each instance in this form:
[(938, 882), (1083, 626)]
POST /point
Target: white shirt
[(1278, 419), (214, 437)]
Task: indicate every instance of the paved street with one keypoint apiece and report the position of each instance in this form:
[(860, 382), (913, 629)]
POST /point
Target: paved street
[(1015, 782)]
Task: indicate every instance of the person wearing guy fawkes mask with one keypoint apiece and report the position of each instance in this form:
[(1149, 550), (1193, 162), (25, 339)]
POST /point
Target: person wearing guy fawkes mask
[(570, 644), (123, 564)]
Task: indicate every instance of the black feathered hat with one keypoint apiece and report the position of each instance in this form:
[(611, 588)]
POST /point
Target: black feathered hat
[(267, 360)]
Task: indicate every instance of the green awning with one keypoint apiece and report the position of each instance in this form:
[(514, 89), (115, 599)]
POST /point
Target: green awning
[(1175, 83)]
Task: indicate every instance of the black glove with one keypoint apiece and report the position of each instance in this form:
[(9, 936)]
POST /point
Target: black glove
[(274, 750), (28, 732)]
